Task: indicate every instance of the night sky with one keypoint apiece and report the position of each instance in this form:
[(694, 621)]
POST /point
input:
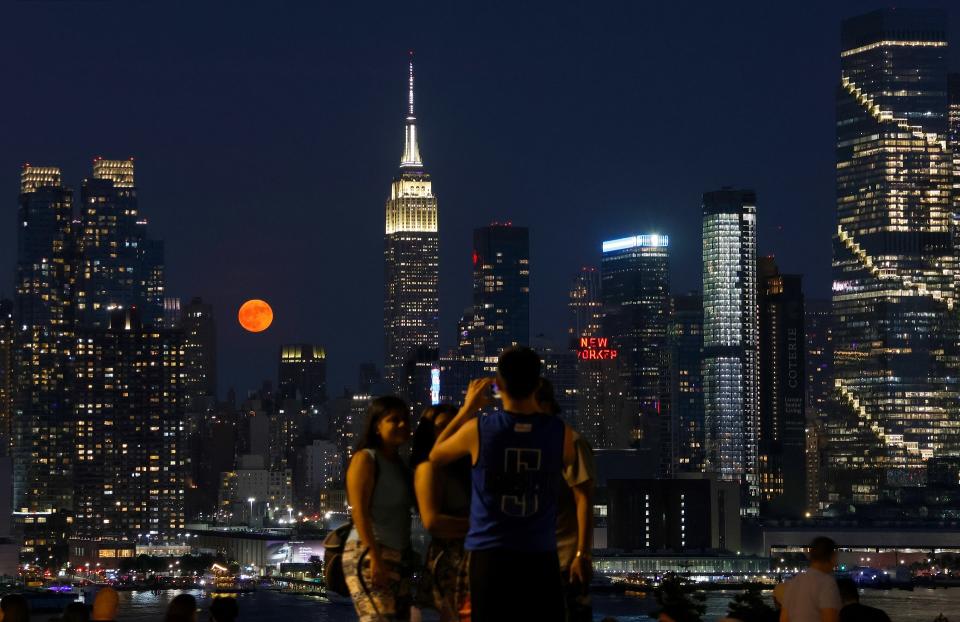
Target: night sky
[(266, 137)]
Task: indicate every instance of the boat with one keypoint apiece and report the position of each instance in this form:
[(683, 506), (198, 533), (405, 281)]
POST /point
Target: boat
[(222, 582)]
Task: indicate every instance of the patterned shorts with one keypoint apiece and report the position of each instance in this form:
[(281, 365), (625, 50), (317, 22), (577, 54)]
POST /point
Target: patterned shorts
[(377, 604), (449, 570)]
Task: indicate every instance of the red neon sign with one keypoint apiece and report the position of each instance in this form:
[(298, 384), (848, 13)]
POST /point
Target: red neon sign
[(596, 349)]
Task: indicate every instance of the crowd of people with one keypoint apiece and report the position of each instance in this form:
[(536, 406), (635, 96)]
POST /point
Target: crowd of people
[(106, 604), (505, 497)]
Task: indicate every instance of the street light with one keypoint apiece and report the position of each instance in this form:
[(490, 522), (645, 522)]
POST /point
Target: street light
[(251, 500)]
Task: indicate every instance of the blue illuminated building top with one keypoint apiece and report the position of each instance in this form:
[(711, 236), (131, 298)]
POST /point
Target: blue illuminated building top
[(653, 240)]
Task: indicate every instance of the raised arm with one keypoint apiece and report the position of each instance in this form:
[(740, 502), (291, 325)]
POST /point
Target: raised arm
[(478, 396), (464, 442)]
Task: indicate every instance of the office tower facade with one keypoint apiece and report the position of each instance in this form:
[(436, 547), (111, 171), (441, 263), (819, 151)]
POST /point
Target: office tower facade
[(172, 312), (818, 317), (685, 346), (411, 256), (131, 457), (303, 374), (953, 144), (635, 292), (501, 288), (731, 340), (603, 410), (200, 352), (585, 305), (118, 265), (7, 334), (894, 329), (42, 419), (783, 422)]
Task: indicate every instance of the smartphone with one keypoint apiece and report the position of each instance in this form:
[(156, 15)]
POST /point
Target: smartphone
[(495, 390)]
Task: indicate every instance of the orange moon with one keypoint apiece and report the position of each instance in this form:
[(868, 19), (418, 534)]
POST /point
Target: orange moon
[(255, 316)]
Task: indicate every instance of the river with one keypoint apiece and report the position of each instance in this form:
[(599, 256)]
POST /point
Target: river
[(921, 605)]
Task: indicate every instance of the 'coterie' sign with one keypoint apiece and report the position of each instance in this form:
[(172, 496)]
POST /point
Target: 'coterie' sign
[(596, 349)]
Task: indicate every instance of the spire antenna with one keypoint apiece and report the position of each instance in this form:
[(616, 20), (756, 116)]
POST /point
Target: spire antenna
[(411, 148), (410, 96)]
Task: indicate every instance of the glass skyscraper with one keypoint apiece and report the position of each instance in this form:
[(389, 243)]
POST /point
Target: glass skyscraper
[(411, 257), (731, 340), (501, 289), (7, 333), (894, 329), (635, 291)]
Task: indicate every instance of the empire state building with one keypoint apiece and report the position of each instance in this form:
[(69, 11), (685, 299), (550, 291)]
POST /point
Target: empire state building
[(411, 258)]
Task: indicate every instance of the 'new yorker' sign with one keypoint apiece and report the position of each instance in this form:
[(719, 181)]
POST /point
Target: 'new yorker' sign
[(596, 349)]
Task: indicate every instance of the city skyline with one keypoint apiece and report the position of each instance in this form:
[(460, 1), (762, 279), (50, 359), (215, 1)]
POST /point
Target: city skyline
[(181, 176)]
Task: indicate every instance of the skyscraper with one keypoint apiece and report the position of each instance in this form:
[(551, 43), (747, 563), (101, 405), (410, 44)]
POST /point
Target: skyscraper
[(131, 454), (783, 423), (199, 352), (501, 288), (411, 255), (818, 316), (7, 333), (119, 266), (731, 340), (894, 330), (303, 374), (685, 346), (42, 421), (635, 290), (586, 306), (953, 144)]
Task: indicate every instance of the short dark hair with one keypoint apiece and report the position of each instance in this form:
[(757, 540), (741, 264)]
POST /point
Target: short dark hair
[(424, 436), (848, 590), (378, 409), (822, 549), (224, 609), (546, 398), (519, 369), (182, 608)]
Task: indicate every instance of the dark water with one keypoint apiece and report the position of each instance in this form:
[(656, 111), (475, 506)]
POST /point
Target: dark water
[(920, 605)]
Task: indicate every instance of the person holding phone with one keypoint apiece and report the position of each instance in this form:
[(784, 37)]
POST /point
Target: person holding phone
[(518, 455)]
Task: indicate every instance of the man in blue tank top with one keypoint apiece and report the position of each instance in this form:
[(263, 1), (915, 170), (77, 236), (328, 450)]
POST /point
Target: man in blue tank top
[(518, 457)]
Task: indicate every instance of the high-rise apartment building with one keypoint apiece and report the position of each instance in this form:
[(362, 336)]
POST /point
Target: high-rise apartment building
[(42, 420), (783, 422), (411, 255), (894, 265), (685, 346), (635, 291), (731, 340), (200, 352), (131, 455), (118, 265), (7, 334), (501, 288), (303, 374)]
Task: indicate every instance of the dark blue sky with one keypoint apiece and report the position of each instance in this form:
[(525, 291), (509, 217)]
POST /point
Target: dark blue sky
[(266, 136)]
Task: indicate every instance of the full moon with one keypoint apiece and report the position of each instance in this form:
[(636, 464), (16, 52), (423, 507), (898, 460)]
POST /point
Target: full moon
[(255, 315)]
